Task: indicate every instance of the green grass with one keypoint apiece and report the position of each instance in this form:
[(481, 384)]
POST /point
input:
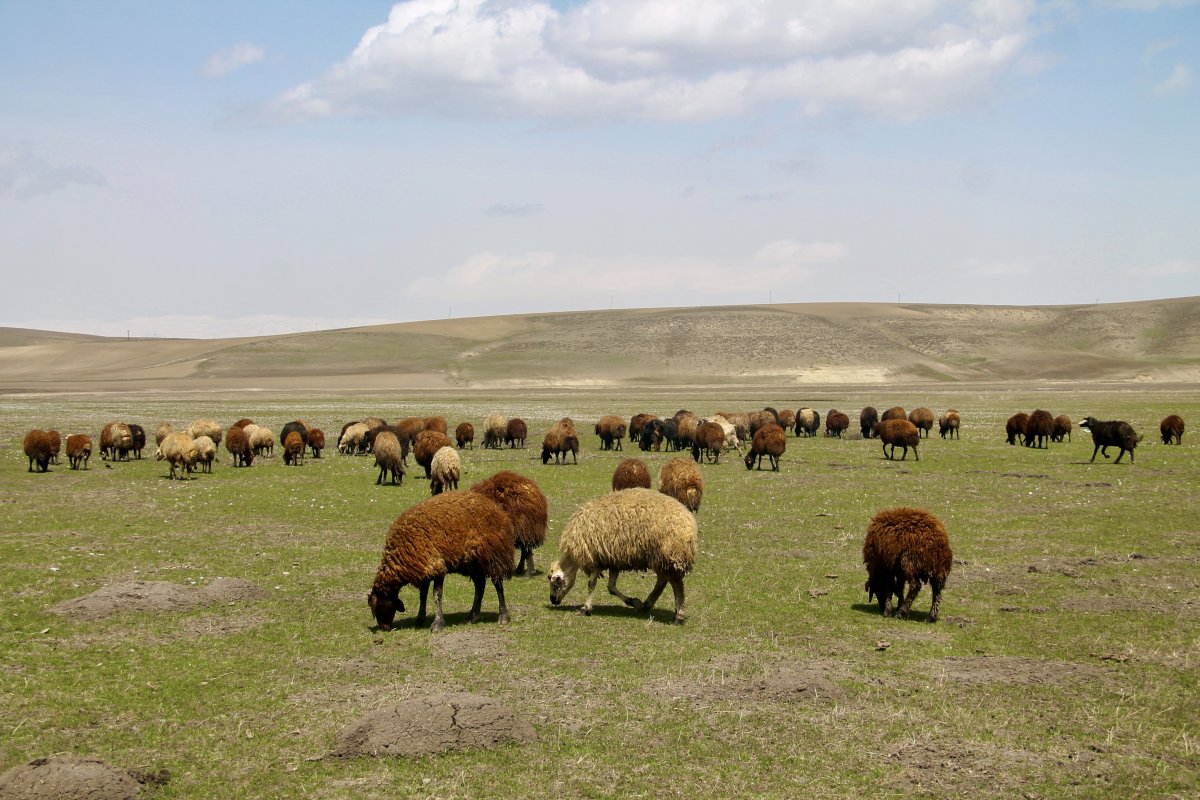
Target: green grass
[(1064, 664)]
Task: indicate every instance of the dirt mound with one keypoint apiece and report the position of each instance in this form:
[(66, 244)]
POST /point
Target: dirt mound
[(434, 724), (67, 777), (156, 596)]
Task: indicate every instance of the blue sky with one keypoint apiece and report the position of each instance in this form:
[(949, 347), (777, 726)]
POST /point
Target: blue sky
[(217, 168)]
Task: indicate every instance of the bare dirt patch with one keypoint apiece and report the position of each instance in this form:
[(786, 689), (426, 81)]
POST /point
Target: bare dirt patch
[(1016, 670), (68, 777), (477, 644), (800, 681), (941, 767), (432, 724), (156, 596)]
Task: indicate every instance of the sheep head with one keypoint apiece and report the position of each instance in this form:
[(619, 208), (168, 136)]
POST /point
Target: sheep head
[(561, 582), (384, 607)]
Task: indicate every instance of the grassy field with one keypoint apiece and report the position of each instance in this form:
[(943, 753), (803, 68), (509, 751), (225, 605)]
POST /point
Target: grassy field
[(1064, 664)]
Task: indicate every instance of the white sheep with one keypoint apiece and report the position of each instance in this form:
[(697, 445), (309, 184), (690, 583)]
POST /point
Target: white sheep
[(444, 470), (262, 439), (352, 438), (206, 453), (179, 450)]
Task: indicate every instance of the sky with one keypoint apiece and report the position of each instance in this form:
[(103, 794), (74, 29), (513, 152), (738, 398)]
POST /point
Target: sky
[(216, 168)]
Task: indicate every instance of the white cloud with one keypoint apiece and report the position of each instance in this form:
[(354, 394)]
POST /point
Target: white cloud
[(671, 59), (1166, 269), (231, 59), (1148, 5), (25, 175), (1155, 48), (1179, 80)]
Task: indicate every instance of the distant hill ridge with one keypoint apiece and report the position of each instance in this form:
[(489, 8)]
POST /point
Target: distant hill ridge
[(816, 343)]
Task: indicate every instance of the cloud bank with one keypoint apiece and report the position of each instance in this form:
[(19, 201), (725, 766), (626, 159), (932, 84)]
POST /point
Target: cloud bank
[(230, 60), (25, 175)]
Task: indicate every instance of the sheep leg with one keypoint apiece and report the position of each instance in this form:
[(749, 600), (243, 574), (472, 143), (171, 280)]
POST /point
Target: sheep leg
[(527, 557), (1118, 461), (477, 603), (586, 610), (903, 455), (659, 585), (499, 584), (936, 586), (913, 589), (424, 592), (680, 605), (1095, 450), (439, 621), (916, 453), (632, 602)]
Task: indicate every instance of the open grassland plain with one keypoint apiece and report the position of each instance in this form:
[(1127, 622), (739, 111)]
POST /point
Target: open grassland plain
[(1064, 663)]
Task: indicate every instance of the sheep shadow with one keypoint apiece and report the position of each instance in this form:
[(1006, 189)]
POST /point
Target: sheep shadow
[(455, 619), (872, 609)]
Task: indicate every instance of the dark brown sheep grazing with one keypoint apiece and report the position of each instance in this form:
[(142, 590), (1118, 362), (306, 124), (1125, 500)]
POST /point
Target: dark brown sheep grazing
[(900, 432), (1015, 426), (922, 417), (389, 457), (298, 427), (425, 445), (769, 441), (56, 444), (1038, 428), (868, 421), (316, 441), (708, 442), (137, 442), (559, 441), (836, 422), (436, 424), (761, 419), (1171, 429), (1113, 433), (685, 431), (464, 435), (79, 450), (463, 533), (241, 423), (636, 423), (611, 430), (1062, 427), (239, 447), (37, 448), (515, 433), (407, 429), (949, 423), (521, 499), (787, 419), (293, 449), (631, 473), (895, 412), (906, 545)]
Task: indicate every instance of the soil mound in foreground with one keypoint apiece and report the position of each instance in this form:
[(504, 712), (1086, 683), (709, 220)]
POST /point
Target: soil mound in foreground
[(156, 596), (68, 777), (434, 724)]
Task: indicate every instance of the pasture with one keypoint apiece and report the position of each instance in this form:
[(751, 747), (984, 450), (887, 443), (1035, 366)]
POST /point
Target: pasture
[(1064, 664)]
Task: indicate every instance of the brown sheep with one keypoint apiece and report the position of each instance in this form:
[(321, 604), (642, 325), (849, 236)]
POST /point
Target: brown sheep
[(521, 499), (407, 431), (836, 422), (389, 457), (1015, 426), (949, 423), (631, 473), (895, 412), (769, 441), (611, 430), (463, 533), (464, 435), (740, 422), (293, 449), (922, 417), (708, 442), (425, 445), (636, 423), (906, 545), (161, 431), (559, 441), (243, 422), (56, 444), (899, 432), (116, 440), (316, 441), (760, 419), (79, 450), (868, 421), (239, 447), (495, 427), (436, 424), (1062, 427), (685, 430), (37, 448), (787, 419), (1171, 429), (680, 478), (515, 433), (1038, 428)]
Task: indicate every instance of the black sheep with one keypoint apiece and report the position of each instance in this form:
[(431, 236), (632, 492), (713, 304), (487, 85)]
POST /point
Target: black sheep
[(868, 421), (1113, 433)]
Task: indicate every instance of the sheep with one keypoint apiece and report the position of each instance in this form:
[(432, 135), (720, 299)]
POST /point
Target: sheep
[(521, 499), (427, 443), (239, 447), (680, 478), (637, 529), (137, 436), (463, 533), (922, 417), (389, 458), (55, 439), (244, 422), (437, 424), (868, 421), (836, 423), (787, 419), (760, 419), (115, 441), (1015, 426), (179, 451), (79, 450), (161, 431), (1062, 427), (559, 441), (652, 435), (406, 430), (206, 427), (444, 470), (298, 427), (36, 445), (906, 545), (1038, 428), (464, 435), (769, 441), (808, 422), (1171, 429), (631, 473), (740, 421), (668, 432), (494, 429), (374, 422), (635, 425), (352, 438), (1113, 433), (293, 449), (611, 430), (708, 442), (731, 437), (515, 433), (316, 441), (899, 432), (685, 431), (206, 453), (950, 421), (262, 440), (895, 412)]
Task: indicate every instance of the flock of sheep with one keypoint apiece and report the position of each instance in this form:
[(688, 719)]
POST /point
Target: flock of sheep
[(477, 532)]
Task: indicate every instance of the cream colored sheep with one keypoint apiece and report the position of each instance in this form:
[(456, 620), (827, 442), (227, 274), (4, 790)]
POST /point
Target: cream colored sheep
[(352, 438), (680, 478), (178, 450), (262, 439), (444, 470), (206, 453)]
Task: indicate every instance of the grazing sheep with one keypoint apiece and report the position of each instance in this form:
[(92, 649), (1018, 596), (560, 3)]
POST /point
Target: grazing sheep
[(374, 422), (463, 533), (515, 433), (808, 422), (178, 450), (56, 444), (906, 545), (239, 447), (436, 424), (36, 445), (262, 440), (652, 435), (1015, 426), (899, 432), (298, 427), (444, 470), (426, 444), (1038, 428), (731, 439), (407, 430), (1113, 433), (680, 478), (115, 441), (708, 442), (353, 438), (242, 423), (922, 417), (949, 423), (464, 435), (760, 419), (137, 444), (635, 425), (868, 421), (770, 441), (1171, 429), (559, 441), (523, 502), (836, 423), (316, 441), (1062, 427), (293, 449), (787, 419), (389, 458), (79, 450), (611, 430), (668, 433), (161, 431), (637, 529), (206, 453), (686, 426), (895, 412), (494, 429), (206, 427), (631, 473), (741, 423)]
